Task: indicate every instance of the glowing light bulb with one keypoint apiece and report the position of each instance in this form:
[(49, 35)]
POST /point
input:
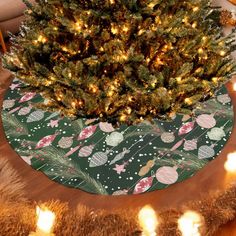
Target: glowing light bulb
[(189, 224), (195, 9), (230, 164), (148, 220), (188, 101), (114, 30), (45, 222), (194, 25), (112, 1), (179, 79), (234, 86), (215, 79), (125, 29), (200, 50), (222, 53), (73, 104)]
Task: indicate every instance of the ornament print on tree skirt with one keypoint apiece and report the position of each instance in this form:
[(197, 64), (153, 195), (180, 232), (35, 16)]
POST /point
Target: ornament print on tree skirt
[(7, 104), (106, 127), (167, 175), (86, 151), (225, 98), (98, 159), (216, 133), (206, 121), (101, 159), (24, 111), (65, 142), (186, 128), (190, 145), (168, 137), (206, 152), (35, 116)]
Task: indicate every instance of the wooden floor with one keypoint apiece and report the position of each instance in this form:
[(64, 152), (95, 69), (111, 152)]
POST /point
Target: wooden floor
[(39, 187)]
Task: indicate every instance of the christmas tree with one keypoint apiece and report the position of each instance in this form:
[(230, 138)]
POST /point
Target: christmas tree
[(121, 60)]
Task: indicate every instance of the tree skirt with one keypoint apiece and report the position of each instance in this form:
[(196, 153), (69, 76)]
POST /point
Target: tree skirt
[(126, 160)]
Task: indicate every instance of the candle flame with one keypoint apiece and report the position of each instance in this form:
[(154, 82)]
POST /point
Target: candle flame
[(230, 164), (148, 221), (46, 219), (189, 224)]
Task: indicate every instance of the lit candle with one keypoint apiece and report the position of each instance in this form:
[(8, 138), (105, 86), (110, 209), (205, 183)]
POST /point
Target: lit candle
[(189, 224), (45, 222), (230, 164), (148, 221)]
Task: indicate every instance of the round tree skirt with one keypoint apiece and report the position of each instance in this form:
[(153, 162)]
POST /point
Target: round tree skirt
[(126, 160)]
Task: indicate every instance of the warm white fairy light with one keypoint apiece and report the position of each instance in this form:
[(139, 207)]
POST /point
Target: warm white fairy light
[(234, 86), (45, 222), (189, 224), (222, 53), (230, 164), (148, 221)]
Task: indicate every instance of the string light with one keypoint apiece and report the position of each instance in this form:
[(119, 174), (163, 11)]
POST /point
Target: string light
[(179, 79), (196, 9), (194, 25), (125, 29), (112, 1), (234, 86), (148, 220), (189, 224), (215, 79), (188, 101), (230, 164), (222, 53), (200, 50), (114, 29)]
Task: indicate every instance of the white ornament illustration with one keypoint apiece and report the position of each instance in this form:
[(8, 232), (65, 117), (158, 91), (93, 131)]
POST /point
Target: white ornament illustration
[(35, 116), (7, 104), (114, 139), (190, 145), (98, 159), (216, 133), (224, 98), (168, 137), (205, 152)]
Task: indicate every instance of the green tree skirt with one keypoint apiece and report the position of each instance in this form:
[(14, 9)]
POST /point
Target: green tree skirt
[(127, 160)]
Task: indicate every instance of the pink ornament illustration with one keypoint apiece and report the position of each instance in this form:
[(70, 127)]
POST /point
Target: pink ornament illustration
[(106, 127), (143, 185), (86, 151), (87, 132), (120, 192), (7, 104), (73, 150), (120, 168), (190, 145), (24, 111), (186, 128), (46, 141), (177, 145), (168, 137), (14, 110), (65, 142), (27, 97), (206, 121), (167, 175)]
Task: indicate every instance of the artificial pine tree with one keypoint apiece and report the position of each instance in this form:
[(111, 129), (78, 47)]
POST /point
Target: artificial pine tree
[(121, 60)]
